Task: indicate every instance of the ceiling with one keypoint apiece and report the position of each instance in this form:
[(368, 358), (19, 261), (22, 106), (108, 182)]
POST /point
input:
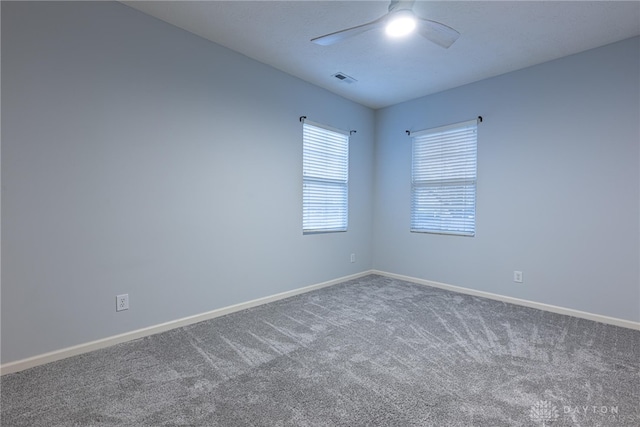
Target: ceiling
[(496, 37)]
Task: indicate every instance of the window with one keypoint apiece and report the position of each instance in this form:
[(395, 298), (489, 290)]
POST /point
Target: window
[(325, 173), (443, 179)]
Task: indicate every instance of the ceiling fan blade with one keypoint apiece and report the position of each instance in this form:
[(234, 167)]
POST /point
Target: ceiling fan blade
[(332, 38), (438, 33)]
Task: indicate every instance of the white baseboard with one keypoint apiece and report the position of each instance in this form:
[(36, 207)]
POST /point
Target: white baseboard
[(42, 359), (526, 303), (52, 356)]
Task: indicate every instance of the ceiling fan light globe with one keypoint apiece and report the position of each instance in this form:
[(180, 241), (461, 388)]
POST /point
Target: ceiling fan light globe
[(400, 25)]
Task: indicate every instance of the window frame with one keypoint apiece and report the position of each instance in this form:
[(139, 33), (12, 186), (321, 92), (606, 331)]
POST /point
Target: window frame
[(444, 165), (325, 173)]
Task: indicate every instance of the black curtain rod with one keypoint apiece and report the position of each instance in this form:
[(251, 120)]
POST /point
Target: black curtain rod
[(409, 132), (303, 118)]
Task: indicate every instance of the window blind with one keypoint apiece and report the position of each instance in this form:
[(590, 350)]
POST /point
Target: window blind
[(325, 171), (443, 179)]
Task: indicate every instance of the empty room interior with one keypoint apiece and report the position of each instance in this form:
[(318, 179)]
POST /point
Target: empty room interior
[(261, 213)]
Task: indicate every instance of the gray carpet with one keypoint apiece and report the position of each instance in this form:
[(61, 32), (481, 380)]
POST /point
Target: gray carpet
[(369, 352)]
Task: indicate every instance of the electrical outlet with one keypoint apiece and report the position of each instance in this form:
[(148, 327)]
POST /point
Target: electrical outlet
[(353, 257), (122, 302), (517, 276)]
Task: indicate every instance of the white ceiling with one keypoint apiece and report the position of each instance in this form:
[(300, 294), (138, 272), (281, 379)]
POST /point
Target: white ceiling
[(496, 37)]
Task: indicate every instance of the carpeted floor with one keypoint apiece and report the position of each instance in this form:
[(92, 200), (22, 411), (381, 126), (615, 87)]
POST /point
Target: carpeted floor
[(369, 352)]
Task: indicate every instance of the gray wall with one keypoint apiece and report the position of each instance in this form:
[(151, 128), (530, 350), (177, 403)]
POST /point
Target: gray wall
[(558, 185), (138, 158)]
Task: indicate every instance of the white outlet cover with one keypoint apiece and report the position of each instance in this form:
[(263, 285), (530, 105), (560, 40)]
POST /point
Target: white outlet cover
[(122, 302)]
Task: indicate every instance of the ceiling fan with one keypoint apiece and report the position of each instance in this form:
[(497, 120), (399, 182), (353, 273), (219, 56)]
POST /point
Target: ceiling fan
[(398, 21)]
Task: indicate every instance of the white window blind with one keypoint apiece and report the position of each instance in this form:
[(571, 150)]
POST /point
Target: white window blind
[(325, 171), (443, 179)]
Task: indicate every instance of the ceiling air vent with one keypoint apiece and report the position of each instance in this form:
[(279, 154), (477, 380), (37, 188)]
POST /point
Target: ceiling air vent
[(344, 78)]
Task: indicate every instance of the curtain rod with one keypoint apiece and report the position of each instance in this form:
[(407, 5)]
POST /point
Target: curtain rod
[(409, 132), (303, 118)]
